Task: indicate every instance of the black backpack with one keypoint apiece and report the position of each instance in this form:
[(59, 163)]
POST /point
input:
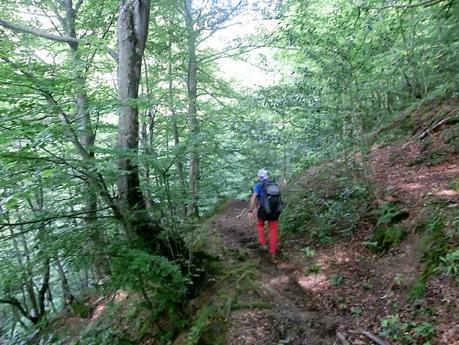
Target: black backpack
[(272, 201)]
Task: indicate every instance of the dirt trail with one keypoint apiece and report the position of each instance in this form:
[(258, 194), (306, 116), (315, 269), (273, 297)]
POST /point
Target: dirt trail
[(290, 316)]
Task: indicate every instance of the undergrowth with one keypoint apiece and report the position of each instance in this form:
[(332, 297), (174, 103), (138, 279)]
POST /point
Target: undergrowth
[(407, 332), (211, 320), (439, 250), (387, 232), (327, 203)]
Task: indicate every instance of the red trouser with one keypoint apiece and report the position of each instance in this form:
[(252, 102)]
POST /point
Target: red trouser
[(272, 224)]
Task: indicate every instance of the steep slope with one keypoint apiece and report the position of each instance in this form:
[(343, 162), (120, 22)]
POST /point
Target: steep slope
[(356, 263)]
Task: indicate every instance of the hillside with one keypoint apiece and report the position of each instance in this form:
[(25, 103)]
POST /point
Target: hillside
[(327, 293), (355, 267)]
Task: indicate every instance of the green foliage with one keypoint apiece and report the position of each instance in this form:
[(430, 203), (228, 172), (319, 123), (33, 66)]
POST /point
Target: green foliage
[(210, 322), (157, 278), (326, 202), (398, 280), (406, 332), (386, 233), (80, 309), (109, 336), (385, 237), (437, 253), (199, 325), (418, 289), (308, 251), (351, 68), (315, 268), (388, 213), (336, 279), (244, 276), (454, 184), (449, 264), (356, 311)]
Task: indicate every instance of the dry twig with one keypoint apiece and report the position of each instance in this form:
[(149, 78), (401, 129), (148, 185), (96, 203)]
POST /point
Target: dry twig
[(240, 214), (343, 339), (371, 336)]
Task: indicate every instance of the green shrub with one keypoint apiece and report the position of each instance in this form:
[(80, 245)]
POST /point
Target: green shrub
[(308, 251), (108, 336), (449, 264), (315, 268), (336, 279), (418, 289), (385, 237), (432, 247), (388, 213), (200, 324), (154, 277), (406, 332), (325, 204)]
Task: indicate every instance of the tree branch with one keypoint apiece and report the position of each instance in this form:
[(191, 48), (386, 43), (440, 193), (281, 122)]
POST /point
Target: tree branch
[(50, 218), (43, 34), (15, 303), (78, 5), (424, 3), (39, 33), (215, 27)]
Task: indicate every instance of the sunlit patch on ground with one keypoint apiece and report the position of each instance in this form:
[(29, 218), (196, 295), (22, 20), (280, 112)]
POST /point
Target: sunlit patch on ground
[(341, 256), (98, 312), (120, 296), (447, 193), (413, 186), (328, 260), (279, 281), (100, 308), (314, 282)]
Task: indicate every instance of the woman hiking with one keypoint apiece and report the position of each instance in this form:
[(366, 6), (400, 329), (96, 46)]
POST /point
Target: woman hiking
[(267, 202)]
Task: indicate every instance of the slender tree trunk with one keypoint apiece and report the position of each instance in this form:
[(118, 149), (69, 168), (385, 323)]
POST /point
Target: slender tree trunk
[(175, 132), (193, 123), (86, 137), (145, 140), (66, 293), (29, 286), (43, 289)]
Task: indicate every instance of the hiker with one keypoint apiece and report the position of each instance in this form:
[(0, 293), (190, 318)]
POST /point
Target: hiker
[(266, 200)]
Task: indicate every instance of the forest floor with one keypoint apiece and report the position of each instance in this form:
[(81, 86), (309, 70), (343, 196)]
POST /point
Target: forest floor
[(340, 293)]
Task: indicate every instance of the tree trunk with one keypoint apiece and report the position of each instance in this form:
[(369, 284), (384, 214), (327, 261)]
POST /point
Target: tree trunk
[(66, 293), (86, 137), (132, 35), (175, 131), (193, 123)]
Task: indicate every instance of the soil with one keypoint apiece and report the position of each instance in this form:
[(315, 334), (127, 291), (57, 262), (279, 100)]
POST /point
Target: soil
[(340, 291)]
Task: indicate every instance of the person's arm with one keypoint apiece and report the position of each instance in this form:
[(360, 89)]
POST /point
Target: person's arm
[(252, 204)]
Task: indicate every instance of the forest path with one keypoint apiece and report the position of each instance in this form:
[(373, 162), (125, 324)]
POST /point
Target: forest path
[(289, 315)]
